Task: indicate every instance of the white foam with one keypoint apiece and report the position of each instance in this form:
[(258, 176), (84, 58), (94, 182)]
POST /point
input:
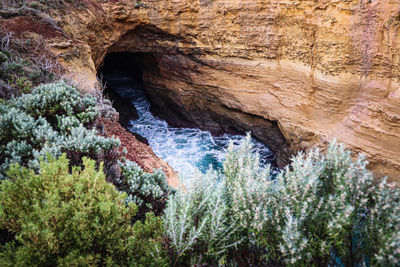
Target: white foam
[(185, 149)]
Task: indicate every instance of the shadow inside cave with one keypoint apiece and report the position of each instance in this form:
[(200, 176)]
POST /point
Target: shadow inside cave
[(185, 148), (121, 76), (124, 68)]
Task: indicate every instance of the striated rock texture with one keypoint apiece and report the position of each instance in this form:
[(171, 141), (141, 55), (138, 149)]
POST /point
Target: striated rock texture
[(296, 73)]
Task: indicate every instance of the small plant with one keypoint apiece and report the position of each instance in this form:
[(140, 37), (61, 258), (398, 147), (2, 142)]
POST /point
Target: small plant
[(149, 191), (25, 63), (5, 41), (140, 4), (22, 83), (3, 57), (21, 75), (197, 224)]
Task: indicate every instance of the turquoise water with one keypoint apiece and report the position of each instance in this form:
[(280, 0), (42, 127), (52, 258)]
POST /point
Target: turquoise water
[(185, 149)]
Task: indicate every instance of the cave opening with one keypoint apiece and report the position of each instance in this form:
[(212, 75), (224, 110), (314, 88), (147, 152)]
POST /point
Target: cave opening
[(126, 73), (122, 74), (128, 64), (129, 77)]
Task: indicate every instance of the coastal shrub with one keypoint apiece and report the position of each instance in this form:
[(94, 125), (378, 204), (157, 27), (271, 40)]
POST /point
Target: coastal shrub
[(323, 209), (149, 191), (25, 63), (3, 57), (328, 205), (53, 119), (197, 225), (73, 219), (382, 227), (21, 74)]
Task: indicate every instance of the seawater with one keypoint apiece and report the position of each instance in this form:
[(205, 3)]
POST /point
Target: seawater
[(185, 149)]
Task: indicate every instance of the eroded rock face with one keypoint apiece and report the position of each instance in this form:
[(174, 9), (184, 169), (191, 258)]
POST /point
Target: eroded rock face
[(301, 72)]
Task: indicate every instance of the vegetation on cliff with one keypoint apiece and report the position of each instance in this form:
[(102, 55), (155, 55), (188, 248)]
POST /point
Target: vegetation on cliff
[(323, 209), (53, 119), (149, 191), (73, 218), (62, 183), (68, 196), (24, 64)]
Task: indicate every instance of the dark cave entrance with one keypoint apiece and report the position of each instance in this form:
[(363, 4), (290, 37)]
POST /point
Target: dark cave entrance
[(142, 69), (126, 73), (125, 63), (121, 75)]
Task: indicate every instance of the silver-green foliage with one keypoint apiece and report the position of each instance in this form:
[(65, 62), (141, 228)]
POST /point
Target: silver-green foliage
[(323, 205), (53, 119), (149, 191), (196, 221), (328, 203)]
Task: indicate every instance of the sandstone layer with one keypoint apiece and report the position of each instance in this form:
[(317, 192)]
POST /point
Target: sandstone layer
[(296, 73)]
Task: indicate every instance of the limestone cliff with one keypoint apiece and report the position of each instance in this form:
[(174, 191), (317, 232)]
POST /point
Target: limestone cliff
[(296, 73)]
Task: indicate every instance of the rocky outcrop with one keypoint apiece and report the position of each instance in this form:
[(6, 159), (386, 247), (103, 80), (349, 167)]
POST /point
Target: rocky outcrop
[(306, 71), (139, 152)]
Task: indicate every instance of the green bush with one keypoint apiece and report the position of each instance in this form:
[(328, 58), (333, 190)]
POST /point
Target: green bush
[(322, 208), (53, 119), (329, 204), (197, 224), (73, 219), (149, 191), (3, 57), (20, 74)]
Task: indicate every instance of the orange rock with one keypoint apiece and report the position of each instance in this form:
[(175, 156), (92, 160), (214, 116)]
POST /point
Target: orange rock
[(317, 69), (139, 152)]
